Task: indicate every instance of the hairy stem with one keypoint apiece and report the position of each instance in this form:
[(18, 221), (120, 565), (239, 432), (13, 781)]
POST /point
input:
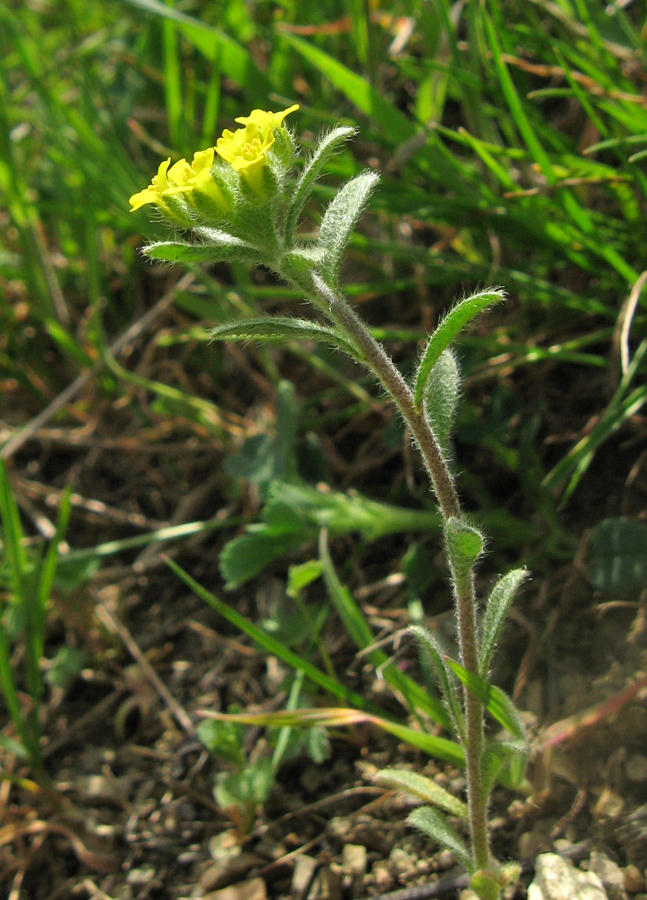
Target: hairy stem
[(477, 803), (335, 307), (376, 359)]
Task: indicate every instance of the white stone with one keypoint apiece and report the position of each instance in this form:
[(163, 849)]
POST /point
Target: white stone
[(557, 878)]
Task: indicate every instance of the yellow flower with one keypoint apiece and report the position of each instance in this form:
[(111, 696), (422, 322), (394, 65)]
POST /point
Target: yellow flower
[(153, 193), (182, 178), (245, 149)]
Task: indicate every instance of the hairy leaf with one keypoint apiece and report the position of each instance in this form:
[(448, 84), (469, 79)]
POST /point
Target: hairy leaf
[(497, 703), (447, 330), (327, 146), (435, 825), (216, 246), (273, 328), (440, 397), (422, 787), (434, 654), (495, 613), (340, 218)]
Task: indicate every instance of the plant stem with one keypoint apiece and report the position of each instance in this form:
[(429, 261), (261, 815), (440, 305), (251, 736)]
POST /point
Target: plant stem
[(375, 358), (336, 308), (467, 636)]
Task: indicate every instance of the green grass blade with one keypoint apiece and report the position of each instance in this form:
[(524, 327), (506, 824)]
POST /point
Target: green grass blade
[(394, 125), (172, 80), (270, 644), (441, 748), (416, 698), (216, 46)]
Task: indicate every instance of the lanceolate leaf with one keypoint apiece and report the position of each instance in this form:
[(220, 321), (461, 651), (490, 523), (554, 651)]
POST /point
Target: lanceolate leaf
[(272, 328), (220, 247), (503, 754), (447, 330), (495, 613), (435, 825), (327, 146), (441, 394), (339, 220), (498, 704), (434, 654), (422, 787)]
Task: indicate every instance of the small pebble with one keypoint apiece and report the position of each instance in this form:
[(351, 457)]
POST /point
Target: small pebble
[(636, 768), (354, 865), (610, 874), (140, 877), (634, 879), (254, 889), (383, 877), (400, 861), (304, 869), (446, 860)]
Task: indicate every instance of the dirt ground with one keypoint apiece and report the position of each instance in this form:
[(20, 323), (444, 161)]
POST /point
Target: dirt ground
[(129, 812)]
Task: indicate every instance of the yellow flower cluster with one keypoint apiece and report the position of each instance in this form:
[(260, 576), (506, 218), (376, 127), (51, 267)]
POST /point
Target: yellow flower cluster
[(244, 149)]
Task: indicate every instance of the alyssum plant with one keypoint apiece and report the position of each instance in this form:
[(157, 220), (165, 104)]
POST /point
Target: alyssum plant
[(241, 201)]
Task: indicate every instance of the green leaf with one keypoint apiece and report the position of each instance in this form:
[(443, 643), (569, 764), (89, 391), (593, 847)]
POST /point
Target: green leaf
[(447, 331), (497, 703), (247, 789), (221, 247), (500, 754), (224, 739), (464, 545), (616, 555), (485, 885), (496, 610), (340, 218), (285, 328), (434, 654), (244, 557), (435, 826), (328, 144), (422, 787), (300, 576), (440, 397)]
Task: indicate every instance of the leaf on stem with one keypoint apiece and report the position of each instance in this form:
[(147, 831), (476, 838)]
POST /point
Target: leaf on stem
[(440, 397), (464, 545), (498, 755), (273, 328), (328, 145), (435, 825), (340, 218), (435, 656), (497, 703), (447, 331), (216, 246), (424, 788), (496, 610)]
